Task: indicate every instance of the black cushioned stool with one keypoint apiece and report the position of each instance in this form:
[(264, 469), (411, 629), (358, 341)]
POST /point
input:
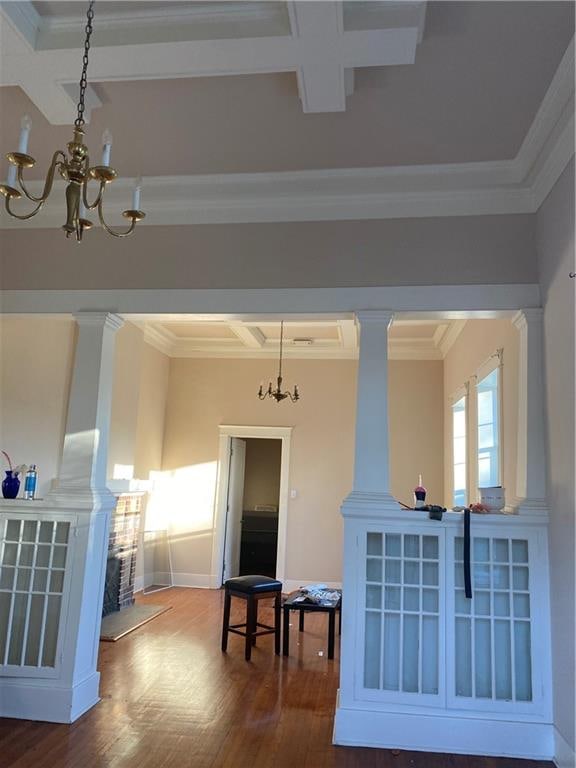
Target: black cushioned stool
[(252, 589)]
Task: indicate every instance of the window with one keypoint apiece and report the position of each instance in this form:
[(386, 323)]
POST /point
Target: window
[(488, 430), (459, 451)]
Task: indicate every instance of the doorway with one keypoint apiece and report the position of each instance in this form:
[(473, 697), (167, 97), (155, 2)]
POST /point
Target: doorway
[(251, 502), (251, 530)]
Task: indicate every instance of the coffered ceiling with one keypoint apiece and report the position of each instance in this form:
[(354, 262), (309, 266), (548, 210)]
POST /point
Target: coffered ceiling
[(306, 338), (267, 111)]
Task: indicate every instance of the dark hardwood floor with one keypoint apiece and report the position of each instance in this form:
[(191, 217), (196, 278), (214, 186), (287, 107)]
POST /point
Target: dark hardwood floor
[(171, 699)]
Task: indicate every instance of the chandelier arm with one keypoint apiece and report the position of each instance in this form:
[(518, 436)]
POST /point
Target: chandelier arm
[(111, 231), (47, 184), (22, 216), (98, 200)]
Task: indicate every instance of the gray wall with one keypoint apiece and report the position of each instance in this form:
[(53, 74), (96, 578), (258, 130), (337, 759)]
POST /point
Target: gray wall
[(451, 250), (555, 232)]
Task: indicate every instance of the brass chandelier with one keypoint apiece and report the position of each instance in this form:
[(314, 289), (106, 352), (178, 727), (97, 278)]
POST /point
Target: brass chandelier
[(75, 169), (277, 393)]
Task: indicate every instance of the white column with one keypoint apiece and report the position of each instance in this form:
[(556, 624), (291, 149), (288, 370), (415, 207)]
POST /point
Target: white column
[(372, 447), (531, 452), (370, 499), (83, 464)]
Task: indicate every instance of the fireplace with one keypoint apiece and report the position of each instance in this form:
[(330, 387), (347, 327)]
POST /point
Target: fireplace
[(122, 549)]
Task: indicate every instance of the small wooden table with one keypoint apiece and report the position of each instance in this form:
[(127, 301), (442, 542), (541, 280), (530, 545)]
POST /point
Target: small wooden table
[(291, 603)]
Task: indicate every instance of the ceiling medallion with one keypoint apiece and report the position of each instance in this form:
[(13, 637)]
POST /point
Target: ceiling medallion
[(277, 393), (74, 169)]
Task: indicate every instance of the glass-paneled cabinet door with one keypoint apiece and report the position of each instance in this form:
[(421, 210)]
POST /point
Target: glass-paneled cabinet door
[(401, 629), (494, 644), (35, 568)]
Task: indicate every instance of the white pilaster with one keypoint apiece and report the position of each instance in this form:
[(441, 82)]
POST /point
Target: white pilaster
[(82, 498), (531, 469), (83, 466)]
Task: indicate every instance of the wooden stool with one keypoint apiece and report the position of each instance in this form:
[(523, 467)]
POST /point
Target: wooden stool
[(252, 589)]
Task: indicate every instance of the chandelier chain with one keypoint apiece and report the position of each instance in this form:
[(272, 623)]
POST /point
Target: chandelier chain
[(281, 339), (79, 122)]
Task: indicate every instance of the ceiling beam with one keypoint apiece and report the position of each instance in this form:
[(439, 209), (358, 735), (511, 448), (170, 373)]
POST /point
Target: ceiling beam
[(319, 51), (250, 336)]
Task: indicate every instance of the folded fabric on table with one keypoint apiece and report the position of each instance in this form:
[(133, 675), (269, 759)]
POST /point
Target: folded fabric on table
[(321, 594)]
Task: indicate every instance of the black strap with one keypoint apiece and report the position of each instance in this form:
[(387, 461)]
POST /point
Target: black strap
[(467, 577)]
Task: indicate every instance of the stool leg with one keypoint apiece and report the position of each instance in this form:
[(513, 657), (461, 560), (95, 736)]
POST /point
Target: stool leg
[(255, 620), (286, 640), (250, 608), (277, 623), (226, 620)]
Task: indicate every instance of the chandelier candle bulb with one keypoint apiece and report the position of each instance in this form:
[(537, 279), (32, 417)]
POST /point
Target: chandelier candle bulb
[(25, 126), (106, 147), (136, 194), (11, 181)]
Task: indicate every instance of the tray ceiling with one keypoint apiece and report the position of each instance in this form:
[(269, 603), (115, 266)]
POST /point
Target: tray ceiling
[(314, 339)]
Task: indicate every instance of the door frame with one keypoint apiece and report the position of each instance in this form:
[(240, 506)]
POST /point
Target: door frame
[(226, 433)]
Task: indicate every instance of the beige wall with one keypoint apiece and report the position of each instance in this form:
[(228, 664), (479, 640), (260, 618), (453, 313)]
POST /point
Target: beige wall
[(149, 439), (262, 474), (35, 367), (205, 393), (476, 344), (556, 258), (154, 372), (416, 427)]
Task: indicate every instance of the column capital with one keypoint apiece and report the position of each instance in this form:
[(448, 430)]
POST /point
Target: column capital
[(381, 316), (99, 319), (525, 316)]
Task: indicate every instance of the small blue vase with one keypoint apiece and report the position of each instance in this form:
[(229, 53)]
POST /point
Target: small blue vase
[(10, 485)]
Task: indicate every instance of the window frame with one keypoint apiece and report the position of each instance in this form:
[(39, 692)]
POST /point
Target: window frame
[(461, 394), (494, 363), (469, 390)]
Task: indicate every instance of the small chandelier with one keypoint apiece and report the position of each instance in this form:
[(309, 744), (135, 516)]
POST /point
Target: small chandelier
[(74, 169), (277, 393)]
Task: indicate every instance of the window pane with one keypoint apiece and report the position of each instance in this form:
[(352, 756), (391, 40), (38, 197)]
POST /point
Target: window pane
[(488, 430), (485, 407), (486, 436), (459, 450), (459, 477)]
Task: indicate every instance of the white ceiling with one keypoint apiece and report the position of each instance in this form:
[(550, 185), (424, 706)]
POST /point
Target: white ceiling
[(294, 111), (306, 338)]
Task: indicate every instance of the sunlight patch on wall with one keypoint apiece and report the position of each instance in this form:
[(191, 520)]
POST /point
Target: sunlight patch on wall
[(123, 472), (182, 499)]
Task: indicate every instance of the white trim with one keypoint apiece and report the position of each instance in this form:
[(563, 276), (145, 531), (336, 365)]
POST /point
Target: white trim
[(435, 732), (489, 365), (227, 432), (458, 394), (192, 580), (450, 301), (564, 755), (47, 701)]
